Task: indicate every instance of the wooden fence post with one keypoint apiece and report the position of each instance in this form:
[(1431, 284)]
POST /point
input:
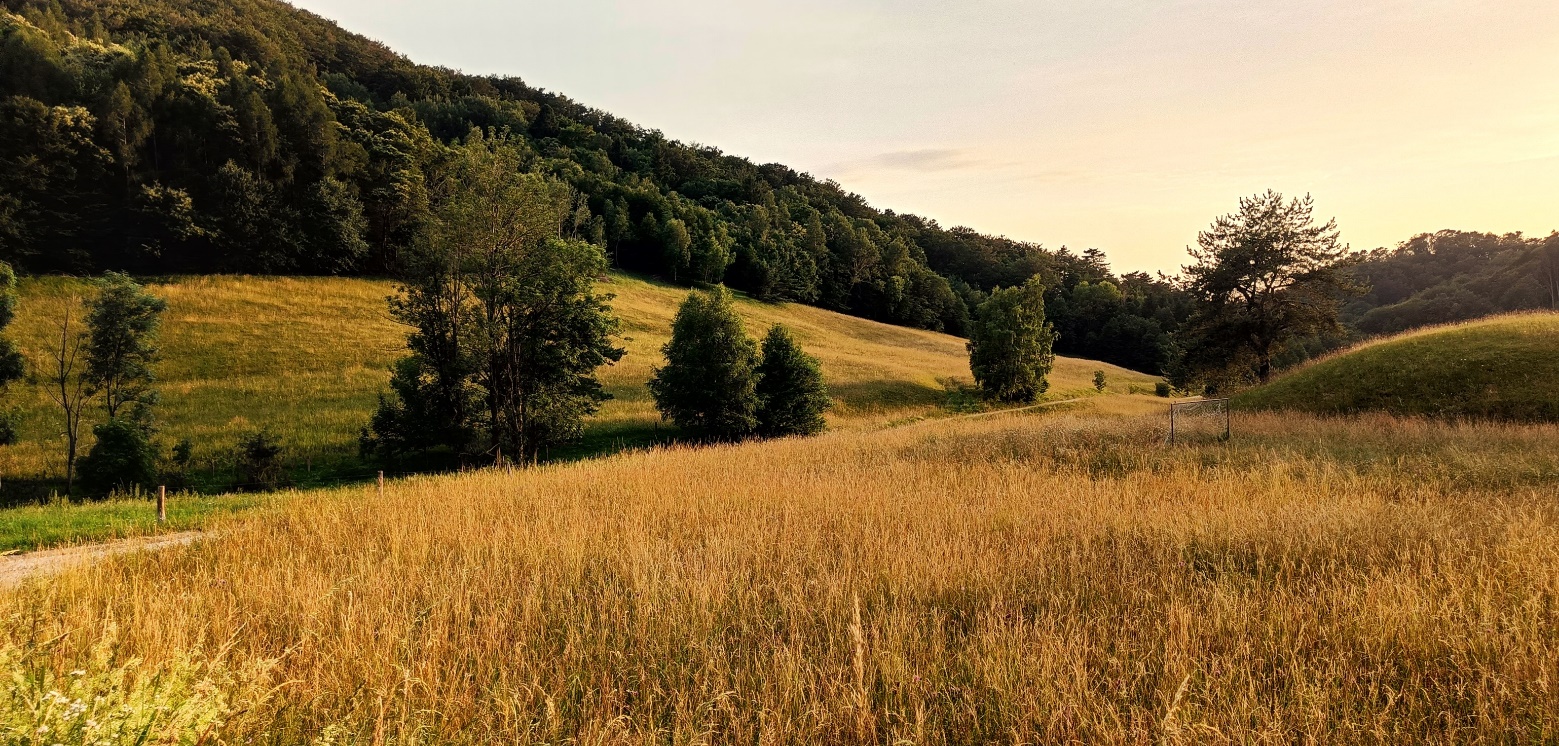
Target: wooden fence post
[(162, 503)]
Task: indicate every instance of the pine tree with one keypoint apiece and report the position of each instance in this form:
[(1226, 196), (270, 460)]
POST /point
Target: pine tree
[(1010, 344), (708, 386), (791, 394)]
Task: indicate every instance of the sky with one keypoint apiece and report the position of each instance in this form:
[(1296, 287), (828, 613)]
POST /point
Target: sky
[(1124, 125)]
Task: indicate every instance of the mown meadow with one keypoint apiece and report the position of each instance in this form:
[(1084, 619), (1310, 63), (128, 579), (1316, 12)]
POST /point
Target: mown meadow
[(1048, 577), (306, 359)]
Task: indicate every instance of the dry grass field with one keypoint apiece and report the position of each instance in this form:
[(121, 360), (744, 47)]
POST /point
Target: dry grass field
[(1063, 577)]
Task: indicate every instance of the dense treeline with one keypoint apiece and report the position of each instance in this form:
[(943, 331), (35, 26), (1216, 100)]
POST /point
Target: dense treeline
[(161, 136), (1436, 278), (248, 136)]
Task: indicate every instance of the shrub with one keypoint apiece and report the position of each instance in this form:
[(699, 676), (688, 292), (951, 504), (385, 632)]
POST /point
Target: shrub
[(1161, 388), (1098, 381), (120, 460), (259, 461), (708, 385), (791, 394)]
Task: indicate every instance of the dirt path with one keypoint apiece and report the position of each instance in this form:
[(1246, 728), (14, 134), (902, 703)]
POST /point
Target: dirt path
[(993, 413), (17, 568)]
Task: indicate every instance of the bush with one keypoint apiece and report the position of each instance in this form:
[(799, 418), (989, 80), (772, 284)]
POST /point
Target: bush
[(1098, 381), (791, 394), (121, 459), (708, 386), (259, 461), (1161, 388)]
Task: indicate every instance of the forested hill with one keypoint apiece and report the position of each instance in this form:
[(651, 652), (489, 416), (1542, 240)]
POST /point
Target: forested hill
[(1436, 278), (162, 136)]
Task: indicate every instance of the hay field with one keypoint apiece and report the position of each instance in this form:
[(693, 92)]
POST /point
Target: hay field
[(1010, 579)]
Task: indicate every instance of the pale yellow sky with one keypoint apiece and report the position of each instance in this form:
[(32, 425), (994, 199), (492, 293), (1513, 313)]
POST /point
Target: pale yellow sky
[(1126, 125)]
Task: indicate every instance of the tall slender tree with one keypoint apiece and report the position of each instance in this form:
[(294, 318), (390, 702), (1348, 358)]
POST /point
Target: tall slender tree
[(66, 384), (508, 329)]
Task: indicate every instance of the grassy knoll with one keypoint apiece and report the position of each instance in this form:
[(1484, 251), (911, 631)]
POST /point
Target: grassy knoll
[(1054, 578), (1503, 367)]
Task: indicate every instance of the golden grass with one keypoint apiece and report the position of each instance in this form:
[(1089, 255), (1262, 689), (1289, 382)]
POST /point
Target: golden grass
[(307, 358), (1021, 579)]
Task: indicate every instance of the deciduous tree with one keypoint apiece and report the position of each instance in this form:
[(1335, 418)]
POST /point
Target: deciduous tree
[(1010, 344), (122, 323)]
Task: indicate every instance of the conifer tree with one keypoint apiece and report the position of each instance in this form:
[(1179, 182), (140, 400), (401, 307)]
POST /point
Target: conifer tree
[(791, 394), (708, 386)]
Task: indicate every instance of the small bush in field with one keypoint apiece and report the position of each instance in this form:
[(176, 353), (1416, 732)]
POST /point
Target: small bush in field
[(121, 460), (1161, 388), (1099, 381), (259, 461)]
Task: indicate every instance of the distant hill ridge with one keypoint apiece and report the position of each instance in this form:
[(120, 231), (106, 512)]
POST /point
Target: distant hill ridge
[(1502, 367)]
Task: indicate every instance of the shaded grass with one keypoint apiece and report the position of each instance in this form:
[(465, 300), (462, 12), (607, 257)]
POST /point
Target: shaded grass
[(1014, 578), (1503, 367)]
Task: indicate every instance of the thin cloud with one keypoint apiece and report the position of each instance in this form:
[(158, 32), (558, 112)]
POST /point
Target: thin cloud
[(923, 161)]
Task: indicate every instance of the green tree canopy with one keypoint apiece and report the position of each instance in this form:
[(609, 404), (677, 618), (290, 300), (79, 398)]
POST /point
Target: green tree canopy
[(122, 324), (791, 394), (708, 385), (1264, 277), (121, 459), (1010, 344), (508, 330)]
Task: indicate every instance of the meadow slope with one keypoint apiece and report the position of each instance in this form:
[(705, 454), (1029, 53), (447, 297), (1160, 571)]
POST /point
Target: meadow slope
[(1056, 578), (1501, 367), (306, 358)]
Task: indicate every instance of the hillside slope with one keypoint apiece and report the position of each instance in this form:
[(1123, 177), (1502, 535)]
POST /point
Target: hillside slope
[(1503, 367), (306, 358), (177, 137)]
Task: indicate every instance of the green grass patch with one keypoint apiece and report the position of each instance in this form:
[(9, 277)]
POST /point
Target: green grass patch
[(39, 526), (1501, 368)]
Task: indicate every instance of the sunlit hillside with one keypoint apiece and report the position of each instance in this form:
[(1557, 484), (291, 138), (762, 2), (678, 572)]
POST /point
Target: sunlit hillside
[(306, 358)]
